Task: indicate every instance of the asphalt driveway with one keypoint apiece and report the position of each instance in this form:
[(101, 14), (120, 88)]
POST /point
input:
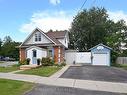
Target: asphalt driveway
[(55, 90), (98, 73)]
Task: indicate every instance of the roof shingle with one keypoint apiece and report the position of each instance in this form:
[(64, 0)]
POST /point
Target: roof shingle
[(55, 35)]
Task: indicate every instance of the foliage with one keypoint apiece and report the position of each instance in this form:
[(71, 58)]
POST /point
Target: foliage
[(42, 71), (46, 61), (0, 44), (28, 61), (13, 87), (23, 62), (123, 53), (124, 66), (8, 48), (114, 56), (93, 26), (63, 64), (38, 61), (88, 28)]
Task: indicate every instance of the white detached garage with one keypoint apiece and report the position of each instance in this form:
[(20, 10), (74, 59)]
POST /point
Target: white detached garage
[(100, 55)]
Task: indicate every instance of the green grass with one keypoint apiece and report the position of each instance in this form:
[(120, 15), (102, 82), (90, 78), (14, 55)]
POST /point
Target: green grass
[(1, 62), (9, 69), (124, 66), (12, 87), (42, 71)]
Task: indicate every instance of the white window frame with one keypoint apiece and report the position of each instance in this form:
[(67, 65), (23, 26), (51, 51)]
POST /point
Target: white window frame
[(37, 37)]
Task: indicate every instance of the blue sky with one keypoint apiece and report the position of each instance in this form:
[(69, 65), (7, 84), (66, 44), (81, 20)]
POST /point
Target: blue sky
[(19, 17)]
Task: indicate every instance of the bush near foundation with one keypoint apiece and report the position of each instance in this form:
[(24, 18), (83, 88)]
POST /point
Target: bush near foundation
[(46, 61)]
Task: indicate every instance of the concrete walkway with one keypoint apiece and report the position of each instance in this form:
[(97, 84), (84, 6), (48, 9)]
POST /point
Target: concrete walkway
[(60, 72), (13, 72), (76, 83)]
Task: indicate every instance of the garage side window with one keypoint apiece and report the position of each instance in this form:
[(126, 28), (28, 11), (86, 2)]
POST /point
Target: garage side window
[(37, 36)]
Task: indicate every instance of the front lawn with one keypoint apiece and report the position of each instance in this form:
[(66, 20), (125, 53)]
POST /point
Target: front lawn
[(9, 69), (12, 87), (42, 71)]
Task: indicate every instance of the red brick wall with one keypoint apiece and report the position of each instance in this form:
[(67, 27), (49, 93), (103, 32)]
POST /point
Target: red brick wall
[(22, 54), (56, 54), (62, 54)]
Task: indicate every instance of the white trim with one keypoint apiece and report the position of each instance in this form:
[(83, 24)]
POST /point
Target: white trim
[(59, 54), (35, 47)]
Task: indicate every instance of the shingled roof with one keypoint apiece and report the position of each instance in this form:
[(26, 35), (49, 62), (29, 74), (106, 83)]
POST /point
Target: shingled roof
[(55, 35)]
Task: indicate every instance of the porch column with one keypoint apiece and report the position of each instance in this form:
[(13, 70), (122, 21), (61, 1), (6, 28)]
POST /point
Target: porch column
[(22, 54), (59, 54)]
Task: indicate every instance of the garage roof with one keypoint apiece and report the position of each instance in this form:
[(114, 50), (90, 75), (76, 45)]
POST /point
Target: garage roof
[(100, 45)]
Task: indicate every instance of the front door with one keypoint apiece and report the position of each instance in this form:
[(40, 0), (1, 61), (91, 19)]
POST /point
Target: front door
[(34, 58)]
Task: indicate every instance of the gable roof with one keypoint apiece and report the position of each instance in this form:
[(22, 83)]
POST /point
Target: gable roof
[(55, 35), (101, 45), (40, 32), (52, 36)]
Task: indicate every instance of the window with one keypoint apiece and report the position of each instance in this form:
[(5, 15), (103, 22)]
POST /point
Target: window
[(50, 53), (35, 37), (38, 37)]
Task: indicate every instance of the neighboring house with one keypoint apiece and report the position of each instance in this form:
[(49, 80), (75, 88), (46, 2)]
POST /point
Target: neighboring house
[(39, 44)]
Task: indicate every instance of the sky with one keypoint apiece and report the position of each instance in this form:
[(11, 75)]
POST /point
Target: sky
[(18, 18)]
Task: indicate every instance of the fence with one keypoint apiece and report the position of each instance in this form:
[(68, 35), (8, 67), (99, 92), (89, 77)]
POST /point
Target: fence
[(72, 56), (121, 60)]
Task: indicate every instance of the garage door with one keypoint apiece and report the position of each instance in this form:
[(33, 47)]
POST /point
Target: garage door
[(100, 59)]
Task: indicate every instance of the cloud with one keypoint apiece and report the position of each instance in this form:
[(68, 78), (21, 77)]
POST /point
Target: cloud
[(117, 15), (46, 20), (54, 2)]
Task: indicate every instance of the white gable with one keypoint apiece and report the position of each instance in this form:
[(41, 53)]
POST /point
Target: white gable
[(64, 40), (31, 39)]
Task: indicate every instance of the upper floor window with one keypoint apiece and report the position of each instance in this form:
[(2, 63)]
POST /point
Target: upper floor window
[(38, 37)]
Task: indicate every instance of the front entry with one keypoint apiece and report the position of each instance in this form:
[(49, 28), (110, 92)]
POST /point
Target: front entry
[(34, 58)]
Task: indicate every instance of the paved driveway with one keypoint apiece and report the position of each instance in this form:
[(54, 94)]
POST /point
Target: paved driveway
[(98, 73), (55, 90)]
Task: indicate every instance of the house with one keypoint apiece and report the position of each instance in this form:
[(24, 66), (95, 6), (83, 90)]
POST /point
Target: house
[(39, 44)]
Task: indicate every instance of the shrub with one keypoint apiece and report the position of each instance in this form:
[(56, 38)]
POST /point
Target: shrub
[(28, 61), (114, 56), (38, 61), (63, 64), (46, 61), (24, 62)]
